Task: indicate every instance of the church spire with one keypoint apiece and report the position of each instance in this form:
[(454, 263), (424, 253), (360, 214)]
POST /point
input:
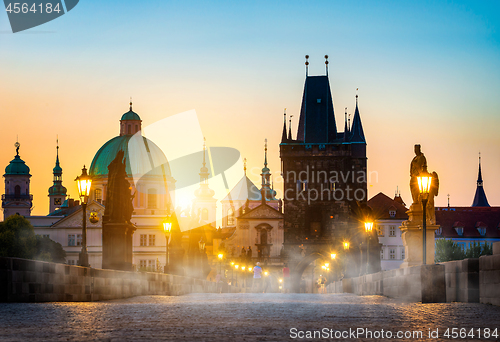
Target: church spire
[(283, 135), (57, 192), (357, 134), (480, 196), (265, 154), (204, 170)]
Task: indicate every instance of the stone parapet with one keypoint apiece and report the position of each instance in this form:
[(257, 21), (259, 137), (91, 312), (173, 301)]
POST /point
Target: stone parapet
[(24, 280)]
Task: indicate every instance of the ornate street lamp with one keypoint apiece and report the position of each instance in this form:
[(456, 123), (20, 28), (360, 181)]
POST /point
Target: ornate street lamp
[(424, 186), (167, 228), (84, 183), (368, 229)]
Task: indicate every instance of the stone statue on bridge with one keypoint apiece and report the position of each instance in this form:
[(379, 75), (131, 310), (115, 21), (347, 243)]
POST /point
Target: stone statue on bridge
[(117, 230), (411, 230)]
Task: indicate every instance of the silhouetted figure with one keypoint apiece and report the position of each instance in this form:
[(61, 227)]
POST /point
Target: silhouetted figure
[(249, 253)]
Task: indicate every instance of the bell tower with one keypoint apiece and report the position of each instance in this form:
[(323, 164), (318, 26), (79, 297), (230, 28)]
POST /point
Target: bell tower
[(17, 198), (57, 192), (204, 205)]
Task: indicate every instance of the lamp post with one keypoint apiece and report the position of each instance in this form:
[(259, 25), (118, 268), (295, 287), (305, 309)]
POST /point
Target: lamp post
[(232, 265), (236, 268), (368, 229), (84, 183), (220, 256), (346, 250), (167, 228), (424, 186)]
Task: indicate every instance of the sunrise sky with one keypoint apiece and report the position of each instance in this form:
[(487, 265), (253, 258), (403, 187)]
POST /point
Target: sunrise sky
[(428, 72)]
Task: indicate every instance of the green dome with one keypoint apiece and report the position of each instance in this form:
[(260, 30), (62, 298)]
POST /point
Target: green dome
[(147, 157), (57, 189), (130, 115), (17, 167)]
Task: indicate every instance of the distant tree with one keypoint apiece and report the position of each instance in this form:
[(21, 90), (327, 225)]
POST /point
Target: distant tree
[(49, 250), (447, 250), (17, 238), (476, 250)]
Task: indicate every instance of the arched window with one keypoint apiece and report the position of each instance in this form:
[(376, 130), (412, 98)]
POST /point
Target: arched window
[(152, 199), (204, 214), (17, 191), (129, 129), (230, 217)]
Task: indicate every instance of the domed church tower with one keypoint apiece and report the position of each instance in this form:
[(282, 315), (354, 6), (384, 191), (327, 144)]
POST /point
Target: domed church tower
[(147, 168), (17, 198), (57, 192)]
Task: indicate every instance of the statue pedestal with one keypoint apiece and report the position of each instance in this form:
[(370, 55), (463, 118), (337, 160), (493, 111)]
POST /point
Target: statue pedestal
[(412, 235), (117, 246)]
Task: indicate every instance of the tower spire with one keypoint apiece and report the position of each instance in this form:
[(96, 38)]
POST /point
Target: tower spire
[(265, 154), (130, 103), (245, 165), (307, 65), (480, 199), (326, 64), (283, 135)]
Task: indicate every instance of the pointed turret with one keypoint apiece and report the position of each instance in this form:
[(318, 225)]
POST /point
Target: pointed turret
[(346, 128), (283, 135), (480, 197), (357, 134)]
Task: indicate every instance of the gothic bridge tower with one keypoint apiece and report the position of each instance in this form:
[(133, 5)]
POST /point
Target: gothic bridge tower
[(324, 175)]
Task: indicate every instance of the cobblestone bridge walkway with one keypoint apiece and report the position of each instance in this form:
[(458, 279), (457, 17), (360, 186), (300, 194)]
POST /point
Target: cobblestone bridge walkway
[(246, 317)]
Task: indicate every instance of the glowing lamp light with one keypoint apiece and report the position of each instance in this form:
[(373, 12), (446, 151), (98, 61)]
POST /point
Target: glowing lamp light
[(333, 256), (424, 184), (236, 266), (232, 263), (220, 256), (281, 280), (249, 269), (242, 268), (327, 265), (266, 274), (346, 245), (167, 226), (84, 183), (368, 226), (323, 267)]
